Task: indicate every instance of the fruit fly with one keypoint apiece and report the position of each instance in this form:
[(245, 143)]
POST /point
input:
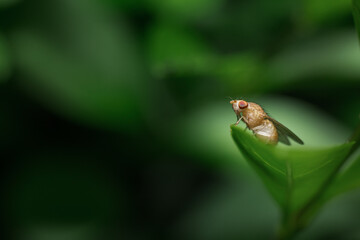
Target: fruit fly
[(263, 126)]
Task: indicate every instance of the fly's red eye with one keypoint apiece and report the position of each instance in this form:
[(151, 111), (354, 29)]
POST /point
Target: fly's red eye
[(243, 104)]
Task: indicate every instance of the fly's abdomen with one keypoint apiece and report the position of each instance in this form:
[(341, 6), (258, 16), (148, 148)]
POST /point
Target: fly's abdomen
[(266, 132)]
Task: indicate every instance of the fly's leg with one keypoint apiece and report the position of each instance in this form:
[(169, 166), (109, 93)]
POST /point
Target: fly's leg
[(239, 119), (246, 122)]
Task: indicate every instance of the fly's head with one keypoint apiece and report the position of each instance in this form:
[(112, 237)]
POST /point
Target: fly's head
[(239, 106)]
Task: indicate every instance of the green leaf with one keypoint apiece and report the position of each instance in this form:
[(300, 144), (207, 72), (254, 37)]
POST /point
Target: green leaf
[(356, 13), (243, 72), (185, 9), (292, 175), (88, 70), (316, 14), (173, 47)]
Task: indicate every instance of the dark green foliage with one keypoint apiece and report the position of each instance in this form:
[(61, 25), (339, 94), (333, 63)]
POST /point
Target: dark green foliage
[(356, 13)]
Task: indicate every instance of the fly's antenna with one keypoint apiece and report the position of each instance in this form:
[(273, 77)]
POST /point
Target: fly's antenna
[(230, 98)]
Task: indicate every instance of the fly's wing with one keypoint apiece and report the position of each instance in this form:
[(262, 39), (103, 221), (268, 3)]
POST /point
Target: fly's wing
[(284, 133), (282, 137)]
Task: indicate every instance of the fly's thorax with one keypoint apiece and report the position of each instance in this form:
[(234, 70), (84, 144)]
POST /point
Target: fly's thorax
[(254, 114)]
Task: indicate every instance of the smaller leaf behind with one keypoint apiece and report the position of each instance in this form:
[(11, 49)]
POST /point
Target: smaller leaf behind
[(349, 178), (346, 181)]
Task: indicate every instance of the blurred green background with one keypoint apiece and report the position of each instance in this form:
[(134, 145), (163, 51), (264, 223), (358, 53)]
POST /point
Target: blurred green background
[(114, 114)]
